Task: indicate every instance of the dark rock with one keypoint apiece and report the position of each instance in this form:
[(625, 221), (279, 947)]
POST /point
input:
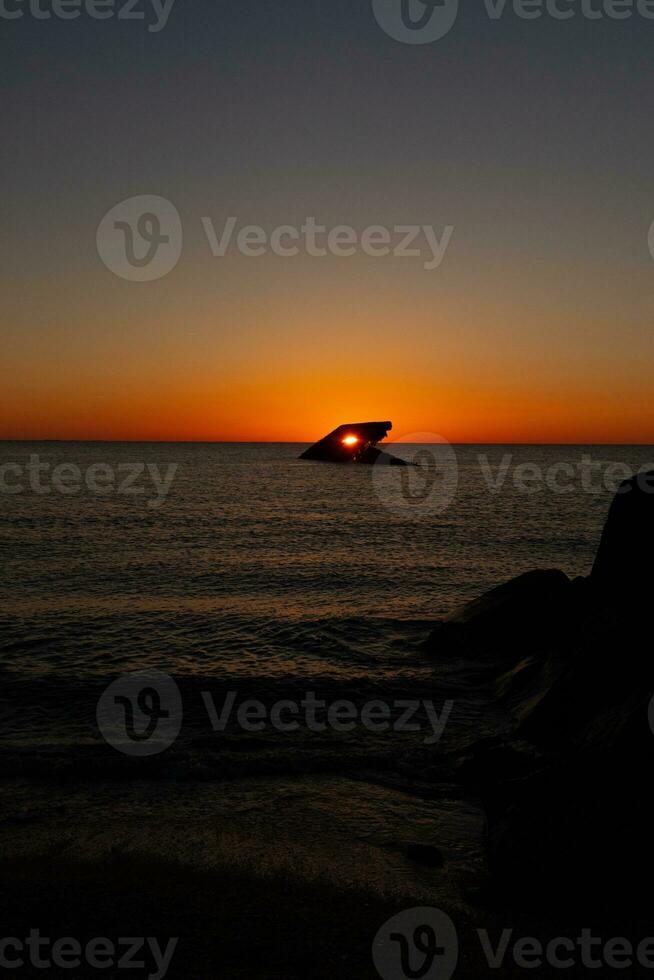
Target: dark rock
[(494, 761), (622, 572), (425, 854), (568, 791), (23, 818), (518, 616)]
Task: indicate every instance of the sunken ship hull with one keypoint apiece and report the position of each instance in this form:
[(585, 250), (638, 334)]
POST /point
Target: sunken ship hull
[(353, 443)]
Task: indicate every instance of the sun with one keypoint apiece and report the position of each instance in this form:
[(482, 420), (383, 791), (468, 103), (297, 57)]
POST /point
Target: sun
[(350, 440)]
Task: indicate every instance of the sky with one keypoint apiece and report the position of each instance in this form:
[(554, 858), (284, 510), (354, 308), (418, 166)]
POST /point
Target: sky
[(528, 142)]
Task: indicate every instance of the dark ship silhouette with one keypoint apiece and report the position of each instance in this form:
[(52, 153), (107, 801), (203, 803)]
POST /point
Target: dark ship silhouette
[(354, 443)]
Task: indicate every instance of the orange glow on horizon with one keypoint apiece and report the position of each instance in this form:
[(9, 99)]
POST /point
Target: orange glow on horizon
[(205, 400), (254, 352)]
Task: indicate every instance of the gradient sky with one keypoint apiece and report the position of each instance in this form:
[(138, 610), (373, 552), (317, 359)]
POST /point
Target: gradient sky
[(534, 139)]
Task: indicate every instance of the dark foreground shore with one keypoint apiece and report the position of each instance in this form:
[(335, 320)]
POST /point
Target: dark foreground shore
[(536, 830), (244, 899)]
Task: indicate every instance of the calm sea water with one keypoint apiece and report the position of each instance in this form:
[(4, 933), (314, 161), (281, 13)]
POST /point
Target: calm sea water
[(261, 569)]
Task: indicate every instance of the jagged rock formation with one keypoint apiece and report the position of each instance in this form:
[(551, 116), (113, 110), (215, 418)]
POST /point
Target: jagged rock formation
[(568, 791), (622, 573)]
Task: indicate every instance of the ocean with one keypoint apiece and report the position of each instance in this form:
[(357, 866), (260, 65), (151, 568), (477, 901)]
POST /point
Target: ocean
[(246, 585), (251, 566)]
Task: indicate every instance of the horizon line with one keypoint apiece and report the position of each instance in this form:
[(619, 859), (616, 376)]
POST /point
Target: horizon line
[(302, 442)]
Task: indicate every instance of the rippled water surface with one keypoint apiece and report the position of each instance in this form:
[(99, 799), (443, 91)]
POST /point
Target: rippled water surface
[(259, 564), (266, 575)]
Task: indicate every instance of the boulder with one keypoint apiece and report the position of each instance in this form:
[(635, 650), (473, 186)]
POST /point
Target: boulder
[(527, 611), (568, 791), (425, 854), (622, 573)]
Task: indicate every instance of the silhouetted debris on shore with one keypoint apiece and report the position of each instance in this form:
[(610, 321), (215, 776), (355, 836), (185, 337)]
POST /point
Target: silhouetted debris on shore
[(568, 790)]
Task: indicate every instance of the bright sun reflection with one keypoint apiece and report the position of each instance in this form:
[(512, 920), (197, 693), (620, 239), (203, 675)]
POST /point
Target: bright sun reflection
[(350, 440)]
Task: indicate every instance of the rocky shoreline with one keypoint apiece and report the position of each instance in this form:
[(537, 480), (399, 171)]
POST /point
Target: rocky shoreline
[(531, 815), (566, 790)]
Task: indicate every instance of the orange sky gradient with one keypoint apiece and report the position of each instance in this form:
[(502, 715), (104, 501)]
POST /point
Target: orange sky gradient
[(534, 144), (285, 350), (307, 408)]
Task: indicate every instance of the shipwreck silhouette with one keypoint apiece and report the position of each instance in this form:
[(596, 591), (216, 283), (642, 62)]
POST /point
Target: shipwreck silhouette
[(354, 443)]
